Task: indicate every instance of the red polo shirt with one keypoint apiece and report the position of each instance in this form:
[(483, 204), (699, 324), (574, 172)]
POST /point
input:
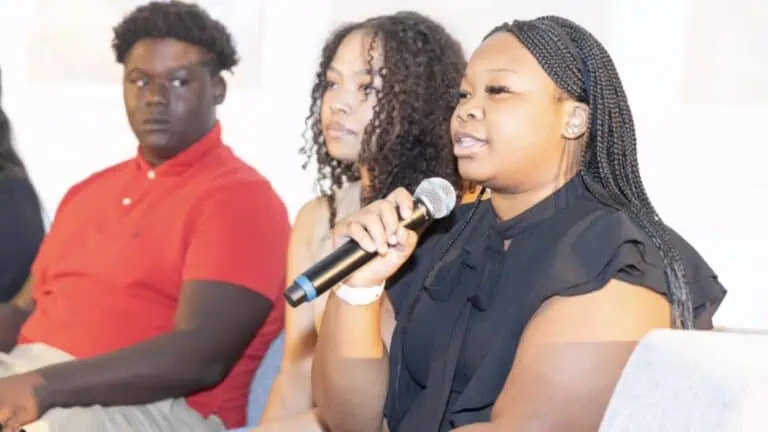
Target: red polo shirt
[(109, 273)]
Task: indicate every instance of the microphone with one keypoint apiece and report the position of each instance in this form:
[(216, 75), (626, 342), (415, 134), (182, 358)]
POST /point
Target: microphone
[(434, 198)]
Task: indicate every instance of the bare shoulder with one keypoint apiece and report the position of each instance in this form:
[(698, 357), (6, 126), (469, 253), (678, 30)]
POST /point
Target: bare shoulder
[(312, 220), (315, 207)]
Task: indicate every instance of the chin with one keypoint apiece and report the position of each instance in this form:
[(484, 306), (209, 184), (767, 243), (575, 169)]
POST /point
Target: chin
[(343, 152), (154, 141), (474, 171)]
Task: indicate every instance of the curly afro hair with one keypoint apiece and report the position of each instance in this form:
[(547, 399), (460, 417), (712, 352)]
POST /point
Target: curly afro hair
[(423, 66), (178, 20)]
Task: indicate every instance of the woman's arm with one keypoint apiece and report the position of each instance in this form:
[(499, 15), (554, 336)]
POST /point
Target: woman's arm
[(351, 369), (350, 373), (291, 393), (308, 421), (570, 358), (290, 405)]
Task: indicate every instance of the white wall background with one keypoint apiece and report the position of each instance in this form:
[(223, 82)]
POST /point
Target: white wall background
[(694, 71)]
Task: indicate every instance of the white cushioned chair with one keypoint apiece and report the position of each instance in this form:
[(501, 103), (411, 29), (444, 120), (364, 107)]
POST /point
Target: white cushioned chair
[(678, 381)]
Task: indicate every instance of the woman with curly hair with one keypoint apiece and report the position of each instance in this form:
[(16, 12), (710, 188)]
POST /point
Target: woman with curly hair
[(379, 119)]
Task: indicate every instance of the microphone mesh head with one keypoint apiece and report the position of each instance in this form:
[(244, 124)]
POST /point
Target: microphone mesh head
[(438, 195)]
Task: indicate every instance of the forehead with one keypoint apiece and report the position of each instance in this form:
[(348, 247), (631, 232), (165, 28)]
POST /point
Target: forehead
[(503, 51), (354, 52), (161, 55)]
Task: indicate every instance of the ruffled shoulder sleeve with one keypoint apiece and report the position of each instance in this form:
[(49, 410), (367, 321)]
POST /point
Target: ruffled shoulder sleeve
[(608, 245)]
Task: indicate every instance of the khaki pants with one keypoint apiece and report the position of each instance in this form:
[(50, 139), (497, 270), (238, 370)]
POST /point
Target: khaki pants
[(169, 415)]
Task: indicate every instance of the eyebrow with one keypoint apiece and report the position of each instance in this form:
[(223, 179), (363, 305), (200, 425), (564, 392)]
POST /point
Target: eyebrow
[(506, 70), (494, 70), (201, 63)]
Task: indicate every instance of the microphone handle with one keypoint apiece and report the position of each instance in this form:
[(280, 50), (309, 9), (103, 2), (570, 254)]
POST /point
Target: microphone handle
[(342, 262)]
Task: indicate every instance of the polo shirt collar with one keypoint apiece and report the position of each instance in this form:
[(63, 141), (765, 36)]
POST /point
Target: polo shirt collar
[(187, 158)]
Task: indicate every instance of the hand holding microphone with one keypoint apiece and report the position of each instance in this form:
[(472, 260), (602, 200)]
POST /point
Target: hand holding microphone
[(381, 238), (377, 229)]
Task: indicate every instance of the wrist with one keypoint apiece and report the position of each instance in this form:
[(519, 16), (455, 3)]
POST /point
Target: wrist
[(359, 295), (41, 393)]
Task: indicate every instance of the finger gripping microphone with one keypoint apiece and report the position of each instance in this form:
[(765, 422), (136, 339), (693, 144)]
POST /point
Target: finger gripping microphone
[(434, 199)]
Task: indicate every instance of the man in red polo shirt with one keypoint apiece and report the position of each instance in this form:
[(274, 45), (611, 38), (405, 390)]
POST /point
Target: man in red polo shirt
[(157, 291)]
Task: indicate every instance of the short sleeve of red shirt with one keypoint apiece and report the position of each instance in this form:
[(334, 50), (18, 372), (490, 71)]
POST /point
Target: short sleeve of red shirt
[(239, 235)]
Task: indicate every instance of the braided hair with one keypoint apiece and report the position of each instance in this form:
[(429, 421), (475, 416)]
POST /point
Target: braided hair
[(582, 68), (185, 22), (408, 138)]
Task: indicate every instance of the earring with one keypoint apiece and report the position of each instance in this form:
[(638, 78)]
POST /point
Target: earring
[(575, 125), (573, 129)]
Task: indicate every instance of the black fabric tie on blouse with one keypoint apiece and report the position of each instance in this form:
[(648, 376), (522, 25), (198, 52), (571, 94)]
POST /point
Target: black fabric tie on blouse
[(480, 266)]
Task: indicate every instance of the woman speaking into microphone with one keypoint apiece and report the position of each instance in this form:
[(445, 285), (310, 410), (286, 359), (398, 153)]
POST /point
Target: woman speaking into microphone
[(523, 315)]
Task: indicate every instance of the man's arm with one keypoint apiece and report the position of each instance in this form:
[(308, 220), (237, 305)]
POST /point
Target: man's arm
[(215, 322), (234, 267)]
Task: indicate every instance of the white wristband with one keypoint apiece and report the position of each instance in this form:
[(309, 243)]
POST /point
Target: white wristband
[(359, 296)]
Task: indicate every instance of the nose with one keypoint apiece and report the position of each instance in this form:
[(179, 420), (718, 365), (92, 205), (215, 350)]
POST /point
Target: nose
[(469, 110), (342, 100), (340, 108), (156, 93)]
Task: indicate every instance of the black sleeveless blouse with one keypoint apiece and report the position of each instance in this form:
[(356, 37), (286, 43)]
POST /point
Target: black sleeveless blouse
[(458, 324)]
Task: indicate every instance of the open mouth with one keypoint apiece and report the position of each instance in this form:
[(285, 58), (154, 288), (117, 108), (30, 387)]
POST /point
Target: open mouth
[(464, 143)]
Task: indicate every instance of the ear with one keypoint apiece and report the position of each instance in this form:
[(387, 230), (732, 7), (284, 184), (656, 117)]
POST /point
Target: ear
[(219, 89), (576, 121)]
